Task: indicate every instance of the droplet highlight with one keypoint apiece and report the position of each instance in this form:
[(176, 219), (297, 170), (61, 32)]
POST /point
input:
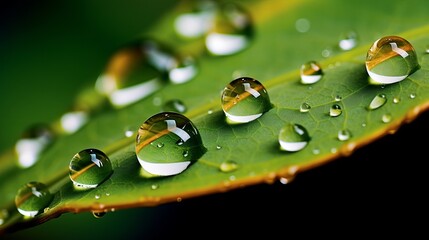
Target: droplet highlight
[(293, 137), (32, 198), (378, 101), (32, 143), (391, 59), (181, 141), (244, 100), (311, 72), (89, 168)]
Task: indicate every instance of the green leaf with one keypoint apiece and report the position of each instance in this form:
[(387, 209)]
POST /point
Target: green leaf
[(274, 58)]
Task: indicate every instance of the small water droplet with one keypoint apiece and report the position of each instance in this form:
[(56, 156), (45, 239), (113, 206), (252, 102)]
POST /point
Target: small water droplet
[(98, 214), (305, 107), (4, 214), (293, 137), (338, 98), (386, 118), (363, 124), (128, 132), (32, 143), (218, 147), (174, 105), (89, 168), (302, 25), (391, 59), (335, 110), (231, 32), (378, 101), (197, 21), (412, 95), (228, 166), (97, 196), (209, 112), (348, 40), (253, 100), (73, 121), (168, 128), (154, 186), (316, 151), (311, 72), (344, 134), (396, 100), (32, 198)]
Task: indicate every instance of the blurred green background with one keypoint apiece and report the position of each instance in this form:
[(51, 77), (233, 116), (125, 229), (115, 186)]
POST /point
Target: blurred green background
[(50, 49)]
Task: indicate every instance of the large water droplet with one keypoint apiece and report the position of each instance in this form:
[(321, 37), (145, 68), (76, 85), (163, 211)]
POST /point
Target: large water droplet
[(89, 168), (231, 31), (378, 101), (182, 144), (391, 59), (32, 143), (293, 137), (335, 110), (174, 105), (244, 99), (311, 72), (32, 198)]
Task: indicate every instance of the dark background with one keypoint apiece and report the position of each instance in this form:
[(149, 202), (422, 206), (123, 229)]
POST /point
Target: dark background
[(45, 50)]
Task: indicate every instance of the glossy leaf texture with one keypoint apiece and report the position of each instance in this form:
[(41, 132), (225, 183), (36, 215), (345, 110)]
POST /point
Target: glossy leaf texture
[(287, 34)]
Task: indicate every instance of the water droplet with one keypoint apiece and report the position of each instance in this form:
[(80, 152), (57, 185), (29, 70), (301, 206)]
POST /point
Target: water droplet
[(128, 132), (98, 214), (218, 147), (391, 59), (335, 110), (32, 198), (154, 186), (338, 98), (344, 135), (197, 21), (231, 31), (348, 41), (311, 72), (412, 95), (4, 214), (378, 101), (386, 118), (89, 168), (293, 137), (396, 100), (73, 121), (172, 158), (174, 105), (316, 151), (244, 99), (32, 143), (97, 196), (305, 107), (302, 25), (228, 166)]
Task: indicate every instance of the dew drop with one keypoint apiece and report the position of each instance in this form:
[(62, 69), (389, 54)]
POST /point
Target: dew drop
[(4, 214), (344, 134), (97, 196), (396, 100), (231, 32), (154, 186), (32, 198), (73, 120), (302, 25), (174, 105), (228, 166), (391, 59), (348, 41), (32, 143), (386, 118), (316, 151), (293, 137), (89, 168), (168, 128), (244, 100), (218, 147), (98, 214), (311, 72), (335, 110), (305, 107), (378, 101), (197, 21), (412, 95), (338, 98)]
